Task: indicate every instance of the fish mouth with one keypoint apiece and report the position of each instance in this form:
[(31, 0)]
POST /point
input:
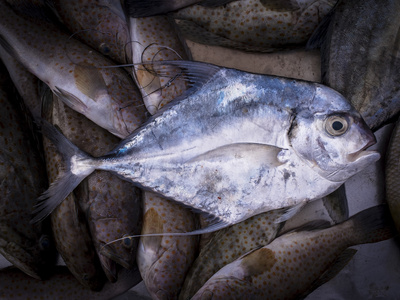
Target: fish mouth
[(364, 154)]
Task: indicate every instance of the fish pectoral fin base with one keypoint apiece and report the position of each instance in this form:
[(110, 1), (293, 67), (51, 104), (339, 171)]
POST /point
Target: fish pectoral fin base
[(266, 154), (89, 81), (70, 100)]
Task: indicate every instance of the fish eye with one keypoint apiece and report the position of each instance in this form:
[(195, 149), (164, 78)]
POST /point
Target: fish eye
[(44, 242), (127, 242), (104, 48), (336, 125)]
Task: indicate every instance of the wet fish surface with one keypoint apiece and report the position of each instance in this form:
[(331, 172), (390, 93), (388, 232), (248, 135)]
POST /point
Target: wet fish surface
[(22, 178), (73, 71), (360, 44), (229, 244), (253, 25), (292, 263), (253, 132)]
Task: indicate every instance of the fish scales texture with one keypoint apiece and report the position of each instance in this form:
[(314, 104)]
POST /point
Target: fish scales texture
[(70, 229), (155, 39), (253, 25), (253, 132), (392, 175), (227, 245), (22, 177), (164, 260), (98, 25), (360, 56), (62, 285), (289, 265), (72, 70)]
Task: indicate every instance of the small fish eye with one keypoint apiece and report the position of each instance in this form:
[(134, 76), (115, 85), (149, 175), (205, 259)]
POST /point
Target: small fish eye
[(336, 125), (44, 242), (85, 277), (127, 242), (104, 48)]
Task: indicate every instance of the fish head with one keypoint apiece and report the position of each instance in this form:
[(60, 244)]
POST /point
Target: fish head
[(331, 136)]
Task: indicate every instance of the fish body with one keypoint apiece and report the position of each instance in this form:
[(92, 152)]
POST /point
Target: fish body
[(22, 177), (155, 39), (258, 143), (290, 265), (72, 71), (227, 245), (360, 56), (62, 285), (98, 24), (253, 25), (70, 229), (165, 260)]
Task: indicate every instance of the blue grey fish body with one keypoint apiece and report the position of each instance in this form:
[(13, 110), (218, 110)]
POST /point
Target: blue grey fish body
[(256, 140)]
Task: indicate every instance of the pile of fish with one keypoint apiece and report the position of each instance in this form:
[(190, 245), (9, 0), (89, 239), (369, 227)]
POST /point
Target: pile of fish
[(188, 175)]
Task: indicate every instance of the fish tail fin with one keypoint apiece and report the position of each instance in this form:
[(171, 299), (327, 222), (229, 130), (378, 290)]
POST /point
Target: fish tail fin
[(372, 225), (78, 165)]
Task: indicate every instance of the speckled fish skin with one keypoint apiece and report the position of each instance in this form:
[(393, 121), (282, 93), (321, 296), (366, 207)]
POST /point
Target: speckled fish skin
[(98, 25), (70, 229), (360, 56), (68, 67), (289, 265), (258, 143), (155, 39), (22, 177), (229, 244), (253, 25), (165, 260), (392, 175), (62, 285)]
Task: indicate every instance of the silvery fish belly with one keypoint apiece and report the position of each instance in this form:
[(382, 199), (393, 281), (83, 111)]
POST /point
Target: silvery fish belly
[(256, 140)]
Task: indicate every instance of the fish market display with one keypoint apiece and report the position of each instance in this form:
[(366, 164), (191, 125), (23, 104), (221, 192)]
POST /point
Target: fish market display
[(72, 70), (290, 265), (254, 132), (392, 171), (154, 39), (360, 56), (101, 24), (62, 285), (68, 222), (164, 260), (253, 25), (229, 244), (22, 177)]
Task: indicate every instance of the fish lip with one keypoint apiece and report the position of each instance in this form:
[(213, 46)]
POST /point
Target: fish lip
[(362, 153)]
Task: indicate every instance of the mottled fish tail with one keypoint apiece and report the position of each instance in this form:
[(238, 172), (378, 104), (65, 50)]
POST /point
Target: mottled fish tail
[(372, 225), (78, 166)]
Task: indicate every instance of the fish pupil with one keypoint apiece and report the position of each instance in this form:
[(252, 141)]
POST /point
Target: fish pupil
[(337, 125)]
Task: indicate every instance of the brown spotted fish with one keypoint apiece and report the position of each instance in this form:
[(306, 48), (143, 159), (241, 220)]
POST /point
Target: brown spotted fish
[(164, 260), (100, 24), (229, 244), (155, 39), (253, 25), (62, 285), (70, 229), (72, 71), (22, 177), (290, 265)]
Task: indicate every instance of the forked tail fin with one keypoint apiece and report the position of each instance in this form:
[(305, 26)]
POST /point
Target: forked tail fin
[(78, 165)]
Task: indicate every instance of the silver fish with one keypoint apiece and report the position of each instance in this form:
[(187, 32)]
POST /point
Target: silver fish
[(73, 71), (62, 285), (22, 178), (360, 56), (291, 264), (258, 143)]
